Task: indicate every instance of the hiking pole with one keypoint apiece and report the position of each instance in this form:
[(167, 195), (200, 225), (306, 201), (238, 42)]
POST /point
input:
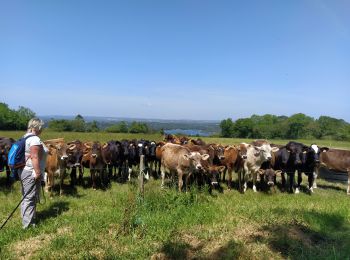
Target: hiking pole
[(17, 206)]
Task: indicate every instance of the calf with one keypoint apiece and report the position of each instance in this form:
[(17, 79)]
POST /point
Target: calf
[(177, 158), (56, 164)]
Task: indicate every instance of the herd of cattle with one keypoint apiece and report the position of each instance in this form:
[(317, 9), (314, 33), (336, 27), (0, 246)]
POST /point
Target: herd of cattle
[(188, 161)]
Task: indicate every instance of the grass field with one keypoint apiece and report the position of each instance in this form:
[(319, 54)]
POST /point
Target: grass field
[(118, 224)]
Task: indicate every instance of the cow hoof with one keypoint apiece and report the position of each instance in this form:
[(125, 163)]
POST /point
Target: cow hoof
[(297, 191), (254, 188), (94, 188), (311, 190), (147, 176), (314, 186)]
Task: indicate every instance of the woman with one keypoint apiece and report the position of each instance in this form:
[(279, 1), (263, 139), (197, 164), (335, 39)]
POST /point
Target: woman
[(33, 171)]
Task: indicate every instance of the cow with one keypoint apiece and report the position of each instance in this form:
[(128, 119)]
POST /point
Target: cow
[(111, 154), (152, 158), (97, 164), (232, 159), (256, 155), (181, 160), (5, 145), (56, 164), (335, 160), (75, 155)]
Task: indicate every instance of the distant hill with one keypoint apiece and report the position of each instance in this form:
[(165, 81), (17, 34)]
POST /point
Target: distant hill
[(201, 127)]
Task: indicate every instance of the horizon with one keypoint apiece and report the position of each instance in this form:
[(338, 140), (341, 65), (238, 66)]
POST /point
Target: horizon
[(183, 60)]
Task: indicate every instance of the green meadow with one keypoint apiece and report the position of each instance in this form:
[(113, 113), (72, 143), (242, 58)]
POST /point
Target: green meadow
[(118, 223)]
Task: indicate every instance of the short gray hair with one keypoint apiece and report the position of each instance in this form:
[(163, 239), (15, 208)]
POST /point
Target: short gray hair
[(35, 123)]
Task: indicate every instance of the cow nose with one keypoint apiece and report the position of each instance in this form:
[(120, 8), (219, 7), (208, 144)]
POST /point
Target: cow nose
[(298, 162), (64, 157), (244, 157), (199, 167), (269, 158), (94, 155), (222, 157), (270, 183), (214, 183), (77, 164)]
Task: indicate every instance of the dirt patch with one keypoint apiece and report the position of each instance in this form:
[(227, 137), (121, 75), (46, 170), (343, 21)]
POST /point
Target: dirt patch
[(27, 248)]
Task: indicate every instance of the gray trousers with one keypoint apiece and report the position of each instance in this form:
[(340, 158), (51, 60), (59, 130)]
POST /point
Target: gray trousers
[(28, 206)]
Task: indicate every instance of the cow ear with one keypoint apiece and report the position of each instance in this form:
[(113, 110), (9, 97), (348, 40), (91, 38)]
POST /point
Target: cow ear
[(278, 172), (324, 149), (187, 156), (275, 149), (205, 157)]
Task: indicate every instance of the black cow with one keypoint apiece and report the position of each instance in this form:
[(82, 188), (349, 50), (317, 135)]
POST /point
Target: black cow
[(5, 145), (75, 155), (111, 153)]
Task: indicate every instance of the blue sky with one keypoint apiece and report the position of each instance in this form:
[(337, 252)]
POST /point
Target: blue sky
[(176, 59)]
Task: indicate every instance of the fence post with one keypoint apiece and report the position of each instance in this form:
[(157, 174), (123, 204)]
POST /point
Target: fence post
[(141, 176)]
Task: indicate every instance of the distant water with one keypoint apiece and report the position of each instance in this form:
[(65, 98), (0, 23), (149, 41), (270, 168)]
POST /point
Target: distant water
[(190, 132)]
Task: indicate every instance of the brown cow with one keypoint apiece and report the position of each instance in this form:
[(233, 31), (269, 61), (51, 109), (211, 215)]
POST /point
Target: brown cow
[(232, 160), (56, 163), (336, 160), (177, 158), (97, 164)]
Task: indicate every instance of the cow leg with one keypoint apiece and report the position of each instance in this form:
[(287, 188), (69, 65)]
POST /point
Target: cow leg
[(73, 176), (310, 178), (254, 180), (93, 178), (291, 181), (315, 173), (163, 176), (180, 175), (348, 190), (62, 173), (297, 188), (283, 177), (224, 175), (240, 180), (229, 181)]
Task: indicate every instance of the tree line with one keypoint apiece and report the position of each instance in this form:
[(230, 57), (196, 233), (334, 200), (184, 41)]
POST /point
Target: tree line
[(12, 119), (297, 126)]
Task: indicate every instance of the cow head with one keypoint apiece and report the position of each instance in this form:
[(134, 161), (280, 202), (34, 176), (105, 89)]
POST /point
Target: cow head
[(152, 148), (296, 151), (125, 148), (242, 150), (195, 158), (96, 152), (75, 153), (269, 176), (312, 155), (265, 151), (214, 174)]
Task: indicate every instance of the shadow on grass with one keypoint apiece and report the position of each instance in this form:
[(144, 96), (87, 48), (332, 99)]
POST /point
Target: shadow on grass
[(54, 210), (6, 186), (325, 186), (295, 240)]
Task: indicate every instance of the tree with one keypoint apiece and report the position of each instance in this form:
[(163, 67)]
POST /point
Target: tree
[(297, 125), (78, 124), (226, 126), (243, 128), (121, 127), (138, 127)]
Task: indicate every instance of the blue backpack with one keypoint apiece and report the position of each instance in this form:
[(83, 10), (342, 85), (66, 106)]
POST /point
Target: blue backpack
[(16, 156)]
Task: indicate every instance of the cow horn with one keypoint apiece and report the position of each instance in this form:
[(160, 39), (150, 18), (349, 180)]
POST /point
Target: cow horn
[(72, 146), (105, 146)]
